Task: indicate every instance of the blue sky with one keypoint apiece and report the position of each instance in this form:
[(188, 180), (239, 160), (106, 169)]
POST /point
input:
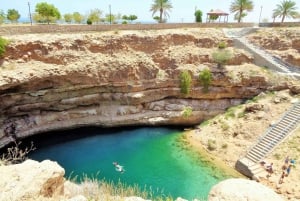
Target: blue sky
[(183, 10)]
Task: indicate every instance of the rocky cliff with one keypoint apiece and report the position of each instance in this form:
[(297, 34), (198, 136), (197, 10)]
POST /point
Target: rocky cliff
[(60, 81), (281, 42)]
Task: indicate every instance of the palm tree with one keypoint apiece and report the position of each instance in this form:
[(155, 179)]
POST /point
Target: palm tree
[(239, 6), (287, 8), (163, 6)]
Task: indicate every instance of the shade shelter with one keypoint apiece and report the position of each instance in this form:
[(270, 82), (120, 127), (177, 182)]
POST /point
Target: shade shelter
[(218, 13)]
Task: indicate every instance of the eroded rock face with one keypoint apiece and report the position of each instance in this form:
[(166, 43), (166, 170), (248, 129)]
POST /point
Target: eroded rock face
[(282, 42), (31, 179), (242, 189), (51, 82)]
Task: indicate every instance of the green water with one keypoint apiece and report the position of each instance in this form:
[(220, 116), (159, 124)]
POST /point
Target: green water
[(152, 157)]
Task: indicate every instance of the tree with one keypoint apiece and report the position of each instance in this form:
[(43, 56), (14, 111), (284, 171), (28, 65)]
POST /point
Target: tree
[(13, 15), (163, 6), (2, 16), (198, 15), (239, 7), (130, 17), (286, 8), (95, 16), (78, 18), (41, 19), (47, 11), (110, 18), (68, 17)]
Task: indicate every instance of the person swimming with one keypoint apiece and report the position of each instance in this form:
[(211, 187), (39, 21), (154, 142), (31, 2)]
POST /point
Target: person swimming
[(118, 167)]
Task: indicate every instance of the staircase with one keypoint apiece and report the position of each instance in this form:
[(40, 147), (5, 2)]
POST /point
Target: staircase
[(274, 135)]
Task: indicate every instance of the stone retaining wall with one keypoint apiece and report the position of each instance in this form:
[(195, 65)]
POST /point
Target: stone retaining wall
[(279, 24), (54, 28)]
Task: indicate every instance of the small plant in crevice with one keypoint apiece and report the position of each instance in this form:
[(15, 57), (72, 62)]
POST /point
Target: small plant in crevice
[(222, 45), (225, 126), (3, 44), (211, 145), (224, 146), (187, 112), (205, 123), (230, 113), (185, 82), (221, 57), (205, 78), (241, 114), (16, 154)]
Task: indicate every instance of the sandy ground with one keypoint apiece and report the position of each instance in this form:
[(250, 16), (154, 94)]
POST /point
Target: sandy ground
[(230, 135)]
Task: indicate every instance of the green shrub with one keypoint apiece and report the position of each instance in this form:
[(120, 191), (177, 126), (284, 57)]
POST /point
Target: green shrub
[(230, 113), (241, 114), (205, 78), (187, 112), (185, 82), (89, 21), (224, 146), (222, 45), (277, 156), (3, 44), (224, 126), (204, 123), (221, 57)]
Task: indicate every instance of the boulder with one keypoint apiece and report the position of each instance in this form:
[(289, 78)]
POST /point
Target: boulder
[(242, 190), (31, 179)]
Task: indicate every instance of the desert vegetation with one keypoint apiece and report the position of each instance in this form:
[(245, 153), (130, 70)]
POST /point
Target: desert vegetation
[(185, 82)]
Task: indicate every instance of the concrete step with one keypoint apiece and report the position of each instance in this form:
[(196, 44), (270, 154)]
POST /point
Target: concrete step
[(266, 144), (288, 120), (255, 154), (258, 170), (253, 159), (258, 151), (276, 135), (283, 127), (294, 112), (277, 131), (274, 138)]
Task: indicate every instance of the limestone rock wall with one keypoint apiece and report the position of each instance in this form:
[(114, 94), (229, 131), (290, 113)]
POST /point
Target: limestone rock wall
[(51, 82)]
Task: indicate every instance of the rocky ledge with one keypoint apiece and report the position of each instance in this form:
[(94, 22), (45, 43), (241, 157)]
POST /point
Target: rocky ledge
[(50, 82), (284, 43), (47, 182)]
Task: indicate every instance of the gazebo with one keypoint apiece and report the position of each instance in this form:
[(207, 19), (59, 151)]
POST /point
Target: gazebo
[(218, 13)]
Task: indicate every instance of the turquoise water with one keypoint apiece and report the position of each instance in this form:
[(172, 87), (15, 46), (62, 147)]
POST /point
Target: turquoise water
[(152, 157)]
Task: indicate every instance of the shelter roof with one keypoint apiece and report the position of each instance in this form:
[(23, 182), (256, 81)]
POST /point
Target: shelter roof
[(217, 12)]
